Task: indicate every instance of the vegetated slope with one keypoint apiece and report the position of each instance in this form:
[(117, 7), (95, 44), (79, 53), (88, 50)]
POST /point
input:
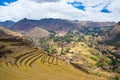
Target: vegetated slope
[(112, 39), (113, 36), (21, 61), (109, 45), (80, 49), (7, 24), (56, 25)]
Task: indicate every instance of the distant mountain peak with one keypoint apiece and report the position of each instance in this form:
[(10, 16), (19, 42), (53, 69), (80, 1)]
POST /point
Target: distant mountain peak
[(7, 24), (24, 19), (56, 24)]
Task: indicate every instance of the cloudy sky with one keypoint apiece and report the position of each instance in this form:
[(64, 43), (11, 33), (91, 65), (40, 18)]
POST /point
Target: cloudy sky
[(84, 10)]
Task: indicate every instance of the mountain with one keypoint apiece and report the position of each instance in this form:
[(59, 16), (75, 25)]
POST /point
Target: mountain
[(23, 25), (110, 44), (57, 25), (105, 26), (97, 24), (115, 30), (7, 24), (48, 24), (113, 36)]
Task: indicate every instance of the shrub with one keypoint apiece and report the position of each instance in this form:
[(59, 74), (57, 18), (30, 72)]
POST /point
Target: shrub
[(114, 78)]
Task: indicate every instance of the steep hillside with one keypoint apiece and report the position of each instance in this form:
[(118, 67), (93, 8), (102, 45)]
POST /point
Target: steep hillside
[(4, 31), (110, 45), (21, 61), (113, 37), (115, 30), (83, 51), (55, 24), (23, 25), (37, 33)]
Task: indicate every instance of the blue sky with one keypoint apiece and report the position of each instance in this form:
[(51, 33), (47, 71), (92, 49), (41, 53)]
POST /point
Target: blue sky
[(104, 10), (78, 5), (8, 1), (84, 10)]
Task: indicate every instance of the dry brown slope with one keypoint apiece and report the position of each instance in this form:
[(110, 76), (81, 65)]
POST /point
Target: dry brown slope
[(37, 33), (9, 32)]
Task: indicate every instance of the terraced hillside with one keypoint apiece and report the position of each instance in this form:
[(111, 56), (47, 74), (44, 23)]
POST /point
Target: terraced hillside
[(20, 61)]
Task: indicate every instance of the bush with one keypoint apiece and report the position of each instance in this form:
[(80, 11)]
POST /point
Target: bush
[(114, 78), (117, 70), (2, 46), (51, 50)]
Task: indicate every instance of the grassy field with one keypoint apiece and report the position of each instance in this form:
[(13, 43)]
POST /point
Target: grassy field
[(25, 62)]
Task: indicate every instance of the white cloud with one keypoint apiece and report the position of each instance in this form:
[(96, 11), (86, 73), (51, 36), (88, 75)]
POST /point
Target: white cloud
[(41, 1), (33, 9)]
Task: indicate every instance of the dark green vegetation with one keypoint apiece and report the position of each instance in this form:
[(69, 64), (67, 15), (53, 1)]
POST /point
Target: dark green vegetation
[(115, 41), (84, 51)]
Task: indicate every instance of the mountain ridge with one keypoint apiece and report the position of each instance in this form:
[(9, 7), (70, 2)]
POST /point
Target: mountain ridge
[(7, 23), (51, 24)]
